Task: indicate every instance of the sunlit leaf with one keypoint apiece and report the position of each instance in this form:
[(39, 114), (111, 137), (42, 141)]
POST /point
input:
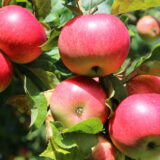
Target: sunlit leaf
[(20, 102), (123, 6)]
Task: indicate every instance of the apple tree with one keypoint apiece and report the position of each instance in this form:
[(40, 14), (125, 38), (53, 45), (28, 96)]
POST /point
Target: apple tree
[(79, 79)]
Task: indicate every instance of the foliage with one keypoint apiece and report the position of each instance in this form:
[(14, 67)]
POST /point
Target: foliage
[(46, 72)]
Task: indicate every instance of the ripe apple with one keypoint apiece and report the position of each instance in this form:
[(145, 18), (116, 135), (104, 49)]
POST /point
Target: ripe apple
[(144, 84), (148, 28), (6, 72), (135, 127), (77, 99), (94, 45), (20, 34), (103, 150)]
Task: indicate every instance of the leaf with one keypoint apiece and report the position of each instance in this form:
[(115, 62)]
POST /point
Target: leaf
[(90, 126), (59, 14), (59, 139), (20, 102), (52, 42), (49, 79), (84, 143), (107, 85), (69, 145), (155, 53), (120, 91), (42, 7), (74, 9), (37, 102), (104, 6), (123, 6)]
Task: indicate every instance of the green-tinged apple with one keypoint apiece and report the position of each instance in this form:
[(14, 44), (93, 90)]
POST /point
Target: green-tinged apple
[(77, 99), (148, 28), (94, 45), (104, 150), (144, 84), (21, 34), (135, 127), (6, 72)]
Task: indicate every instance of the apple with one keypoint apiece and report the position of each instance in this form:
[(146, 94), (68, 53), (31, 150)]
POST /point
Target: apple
[(148, 28), (144, 84), (6, 72), (77, 99), (103, 150), (20, 34), (135, 127), (94, 45)]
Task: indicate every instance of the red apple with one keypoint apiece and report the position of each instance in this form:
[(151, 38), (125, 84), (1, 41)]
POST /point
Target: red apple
[(144, 84), (148, 28), (103, 150), (135, 127), (20, 34), (94, 45), (77, 99), (6, 72)]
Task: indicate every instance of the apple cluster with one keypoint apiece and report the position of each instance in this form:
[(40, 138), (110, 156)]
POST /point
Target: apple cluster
[(96, 46), (21, 34), (148, 28), (90, 46)]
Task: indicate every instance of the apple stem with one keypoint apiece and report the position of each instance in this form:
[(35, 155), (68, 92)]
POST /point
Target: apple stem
[(5, 3), (90, 6), (80, 6)]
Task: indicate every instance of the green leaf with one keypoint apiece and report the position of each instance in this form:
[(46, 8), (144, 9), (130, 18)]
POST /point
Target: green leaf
[(52, 42), (123, 6), (49, 79), (59, 14), (104, 6), (69, 145), (120, 91), (59, 140), (42, 7), (37, 102), (90, 126), (155, 53), (84, 142)]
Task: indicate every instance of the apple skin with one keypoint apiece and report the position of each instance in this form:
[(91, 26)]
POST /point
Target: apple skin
[(20, 34), (144, 84), (94, 45), (135, 127), (78, 98), (148, 28), (103, 150), (6, 72)]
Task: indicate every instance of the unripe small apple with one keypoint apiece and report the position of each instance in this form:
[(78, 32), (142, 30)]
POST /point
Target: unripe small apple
[(144, 84), (20, 34), (6, 72), (78, 98), (135, 127), (148, 28), (103, 150), (94, 45)]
